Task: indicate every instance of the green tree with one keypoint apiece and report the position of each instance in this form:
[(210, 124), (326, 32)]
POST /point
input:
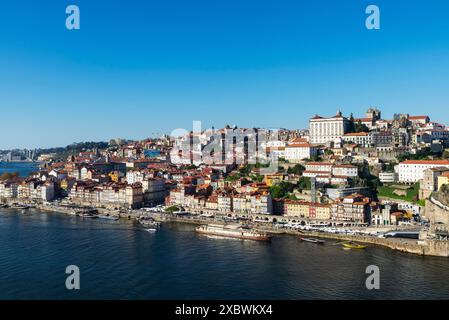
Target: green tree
[(360, 127), (297, 169), (281, 190), (304, 183)]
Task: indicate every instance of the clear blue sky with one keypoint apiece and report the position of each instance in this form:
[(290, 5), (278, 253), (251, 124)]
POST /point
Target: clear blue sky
[(141, 67)]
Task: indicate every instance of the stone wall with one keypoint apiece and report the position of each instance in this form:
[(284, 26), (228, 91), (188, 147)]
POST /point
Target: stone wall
[(436, 212)]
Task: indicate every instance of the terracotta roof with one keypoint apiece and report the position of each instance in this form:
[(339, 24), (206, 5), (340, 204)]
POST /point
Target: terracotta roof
[(344, 166), (364, 119), (354, 134), (434, 162), (299, 140), (319, 164), (299, 145), (417, 117)]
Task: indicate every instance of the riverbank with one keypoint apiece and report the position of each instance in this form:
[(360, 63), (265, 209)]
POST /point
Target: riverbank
[(425, 247)]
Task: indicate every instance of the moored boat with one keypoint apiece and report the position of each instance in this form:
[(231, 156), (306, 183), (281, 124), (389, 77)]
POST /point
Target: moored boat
[(107, 217), (150, 223), (236, 232), (312, 240), (88, 216), (353, 245)]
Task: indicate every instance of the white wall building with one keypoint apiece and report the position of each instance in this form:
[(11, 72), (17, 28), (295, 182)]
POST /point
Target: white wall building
[(388, 177), (412, 171), (345, 170), (298, 152), (364, 139), (323, 130)]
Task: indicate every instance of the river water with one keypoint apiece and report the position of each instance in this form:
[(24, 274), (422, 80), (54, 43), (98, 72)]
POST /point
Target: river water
[(121, 260)]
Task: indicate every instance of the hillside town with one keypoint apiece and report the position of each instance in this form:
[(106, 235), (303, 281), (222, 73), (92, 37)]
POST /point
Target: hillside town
[(342, 171)]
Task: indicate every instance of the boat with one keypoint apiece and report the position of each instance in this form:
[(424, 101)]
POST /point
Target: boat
[(151, 230), (21, 207), (312, 240), (88, 216), (232, 231), (150, 223), (353, 245), (107, 217)]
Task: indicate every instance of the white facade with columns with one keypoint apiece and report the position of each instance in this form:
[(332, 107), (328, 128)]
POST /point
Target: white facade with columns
[(323, 130)]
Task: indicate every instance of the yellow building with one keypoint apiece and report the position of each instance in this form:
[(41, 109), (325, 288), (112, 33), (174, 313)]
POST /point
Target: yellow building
[(272, 179), (309, 210), (115, 176), (443, 179)]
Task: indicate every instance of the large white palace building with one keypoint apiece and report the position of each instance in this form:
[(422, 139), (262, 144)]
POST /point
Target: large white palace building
[(323, 130)]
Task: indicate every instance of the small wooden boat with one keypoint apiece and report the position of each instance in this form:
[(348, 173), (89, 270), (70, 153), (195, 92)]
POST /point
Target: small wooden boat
[(312, 240), (353, 245)]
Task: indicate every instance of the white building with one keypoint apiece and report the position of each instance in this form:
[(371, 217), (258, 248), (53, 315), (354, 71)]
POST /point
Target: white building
[(319, 166), (388, 177), (133, 176), (364, 139), (8, 189), (298, 152), (412, 171), (323, 130), (347, 170)]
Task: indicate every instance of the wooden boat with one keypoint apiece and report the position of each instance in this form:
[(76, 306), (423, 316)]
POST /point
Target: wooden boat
[(312, 240), (353, 245)]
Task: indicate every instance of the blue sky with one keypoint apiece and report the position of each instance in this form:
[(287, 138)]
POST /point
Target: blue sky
[(137, 67)]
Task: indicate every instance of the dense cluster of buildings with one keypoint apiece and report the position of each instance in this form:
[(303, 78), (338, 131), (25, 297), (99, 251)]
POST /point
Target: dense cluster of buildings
[(323, 174)]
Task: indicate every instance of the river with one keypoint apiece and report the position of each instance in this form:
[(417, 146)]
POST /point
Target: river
[(121, 260)]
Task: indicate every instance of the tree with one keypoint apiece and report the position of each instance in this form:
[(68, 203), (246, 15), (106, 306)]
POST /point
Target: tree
[(281, 190), (257, 177), (351, 124), (360, 127), (359, 182), (297, 169), (389, 167), (304, 183)]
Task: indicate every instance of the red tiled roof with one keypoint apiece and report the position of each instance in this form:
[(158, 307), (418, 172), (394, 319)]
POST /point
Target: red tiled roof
[(319, 164), (417, 117), (354, 134), (435, 162)]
